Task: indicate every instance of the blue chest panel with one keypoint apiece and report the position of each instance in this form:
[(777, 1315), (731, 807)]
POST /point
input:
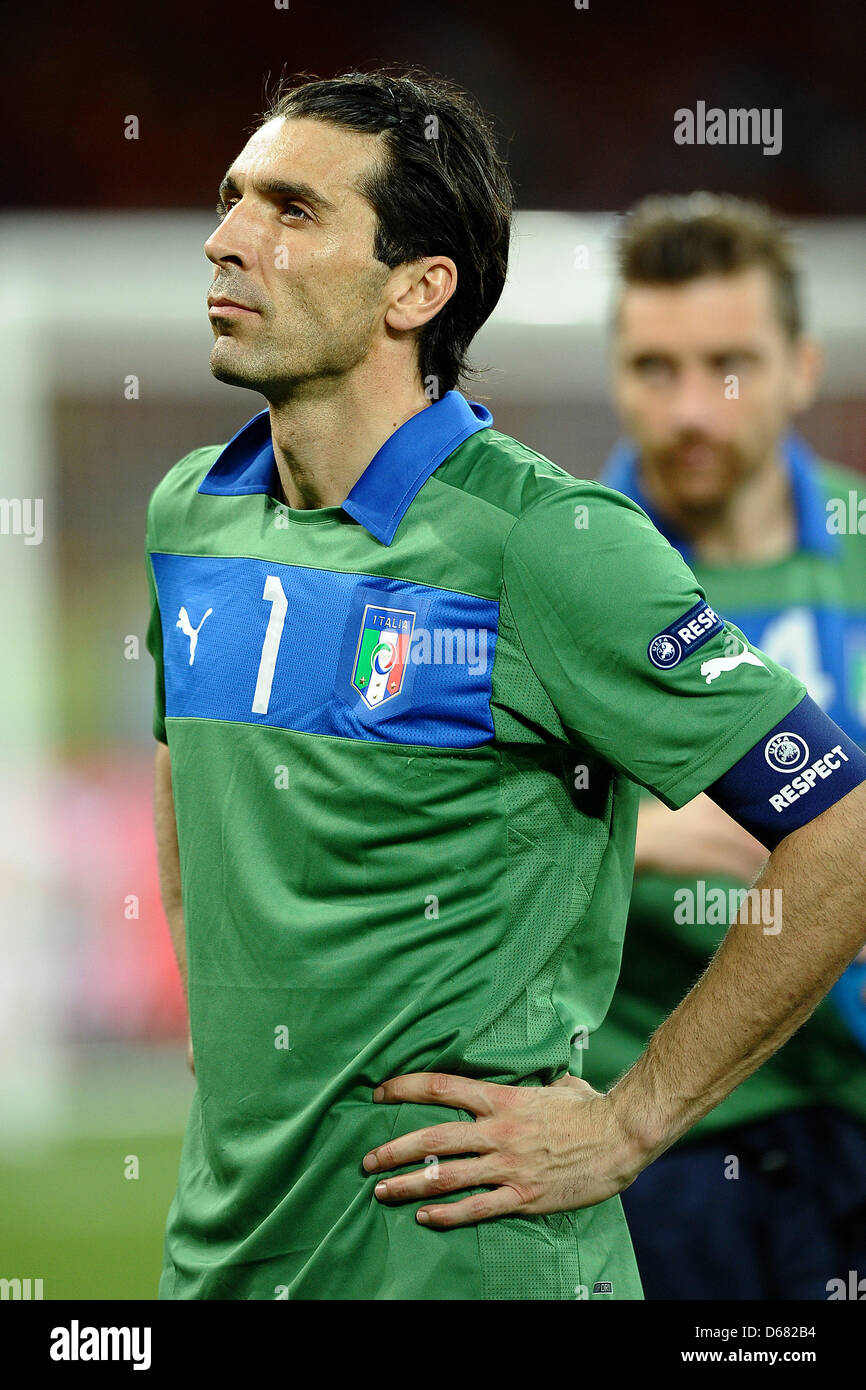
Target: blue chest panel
[(319, 651)]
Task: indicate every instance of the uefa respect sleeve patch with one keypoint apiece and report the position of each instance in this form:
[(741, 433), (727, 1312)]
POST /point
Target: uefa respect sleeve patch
[(668, 648), (797, 770)]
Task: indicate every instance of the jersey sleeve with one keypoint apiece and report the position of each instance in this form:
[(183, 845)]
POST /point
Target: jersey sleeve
[(153, 642), (637, 664)]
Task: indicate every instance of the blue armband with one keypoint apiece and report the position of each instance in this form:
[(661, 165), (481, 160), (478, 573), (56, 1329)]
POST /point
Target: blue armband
[(793, 774)]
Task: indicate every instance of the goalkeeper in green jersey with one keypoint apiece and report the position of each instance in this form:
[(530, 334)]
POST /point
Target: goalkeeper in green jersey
[(410, 677)]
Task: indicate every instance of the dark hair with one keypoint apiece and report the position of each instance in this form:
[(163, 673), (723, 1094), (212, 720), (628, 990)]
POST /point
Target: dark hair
[(668, 240), (441, 187)]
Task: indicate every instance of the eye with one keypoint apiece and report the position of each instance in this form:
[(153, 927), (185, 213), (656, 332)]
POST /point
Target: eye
[(223, 205), (293, 207), (654, 369), (733, 361)]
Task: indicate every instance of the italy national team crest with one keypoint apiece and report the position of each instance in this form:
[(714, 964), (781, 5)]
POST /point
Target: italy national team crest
[(382, 653)]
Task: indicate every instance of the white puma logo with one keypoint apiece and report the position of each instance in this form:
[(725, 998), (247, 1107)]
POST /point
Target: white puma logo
[(191, 632), (717, 664)]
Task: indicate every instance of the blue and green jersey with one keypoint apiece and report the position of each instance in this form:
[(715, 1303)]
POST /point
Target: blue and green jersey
[(407, 738)]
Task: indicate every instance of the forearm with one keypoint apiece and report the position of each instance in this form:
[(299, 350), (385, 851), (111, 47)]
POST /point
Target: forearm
[(759, 987), (168, 857), (645, 857)]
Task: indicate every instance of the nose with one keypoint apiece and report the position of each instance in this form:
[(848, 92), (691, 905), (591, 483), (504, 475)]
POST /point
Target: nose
[(216, 249), (228, 244), (697, 399)]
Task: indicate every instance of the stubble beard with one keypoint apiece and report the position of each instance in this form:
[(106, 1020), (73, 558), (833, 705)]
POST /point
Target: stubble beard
[(269, 368)]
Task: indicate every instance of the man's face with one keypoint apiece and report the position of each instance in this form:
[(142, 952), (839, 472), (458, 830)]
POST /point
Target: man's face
[(705, 379), (296, 247)]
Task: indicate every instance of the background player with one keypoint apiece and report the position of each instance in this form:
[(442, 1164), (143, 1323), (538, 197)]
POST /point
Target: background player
[(710, 362)]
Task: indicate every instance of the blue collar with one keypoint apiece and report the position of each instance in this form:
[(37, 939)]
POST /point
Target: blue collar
[(383, 493), (621, 473)]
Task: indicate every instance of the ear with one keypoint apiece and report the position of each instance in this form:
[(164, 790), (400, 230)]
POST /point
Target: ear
[(808, 364), (420, 289)]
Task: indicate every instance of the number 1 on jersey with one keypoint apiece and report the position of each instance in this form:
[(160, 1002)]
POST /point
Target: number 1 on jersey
[(275, 596)]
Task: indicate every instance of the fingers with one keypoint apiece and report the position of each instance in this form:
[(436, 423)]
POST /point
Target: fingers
[(456, 1138), (436, 1178), (439, 1088), (502, 1201)]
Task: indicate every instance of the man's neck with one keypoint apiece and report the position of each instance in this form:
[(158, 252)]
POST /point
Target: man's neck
[(756, 523), (325, 438)]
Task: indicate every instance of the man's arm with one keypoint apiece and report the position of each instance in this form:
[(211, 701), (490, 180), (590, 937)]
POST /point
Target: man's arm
[(637, 667), (759, 987), (168, 857), (553, 1148)]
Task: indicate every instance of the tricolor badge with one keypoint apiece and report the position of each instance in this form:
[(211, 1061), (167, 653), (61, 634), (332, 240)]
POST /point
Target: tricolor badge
[(382, 653)]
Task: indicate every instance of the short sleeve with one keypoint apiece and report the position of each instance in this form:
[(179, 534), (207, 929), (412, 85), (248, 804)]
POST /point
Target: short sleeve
[(153, 642), (637, 664)]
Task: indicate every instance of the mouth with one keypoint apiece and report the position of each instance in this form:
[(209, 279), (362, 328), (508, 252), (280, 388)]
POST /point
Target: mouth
[(697, 458), (227, 308)]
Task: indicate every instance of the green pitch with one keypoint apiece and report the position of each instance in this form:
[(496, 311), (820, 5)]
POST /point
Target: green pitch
[(73, 1219)]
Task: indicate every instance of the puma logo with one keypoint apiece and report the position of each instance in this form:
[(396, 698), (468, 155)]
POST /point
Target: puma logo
[(717, 664), (191, 632)]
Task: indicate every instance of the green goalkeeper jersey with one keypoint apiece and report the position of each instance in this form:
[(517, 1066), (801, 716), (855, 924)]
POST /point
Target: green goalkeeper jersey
[(407, 737)]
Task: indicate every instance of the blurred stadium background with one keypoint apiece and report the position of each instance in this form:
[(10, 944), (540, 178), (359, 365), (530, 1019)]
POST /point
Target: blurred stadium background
[(105, 383)]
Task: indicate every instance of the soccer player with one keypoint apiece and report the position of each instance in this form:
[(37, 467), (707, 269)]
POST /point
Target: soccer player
[(409, 678), (766, 1196)]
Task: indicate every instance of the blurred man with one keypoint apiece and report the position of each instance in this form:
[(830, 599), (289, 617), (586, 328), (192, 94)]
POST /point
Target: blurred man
[(766, 1196)]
